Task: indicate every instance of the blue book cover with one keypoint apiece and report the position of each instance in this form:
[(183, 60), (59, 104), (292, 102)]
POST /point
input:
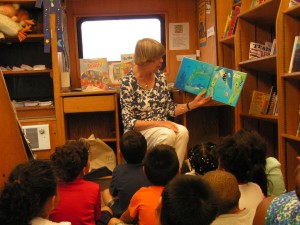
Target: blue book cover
[(223, 84)]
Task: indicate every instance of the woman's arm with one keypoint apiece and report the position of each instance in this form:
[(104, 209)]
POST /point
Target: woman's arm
[(198, 101)]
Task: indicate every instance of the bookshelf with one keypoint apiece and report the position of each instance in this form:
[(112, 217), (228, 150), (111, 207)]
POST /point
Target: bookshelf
[(288, 26), (255, 24), (26, 85)]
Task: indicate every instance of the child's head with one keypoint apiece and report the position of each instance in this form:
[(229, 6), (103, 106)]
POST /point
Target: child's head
[(30, 192), (187, 200), (70, 159), (133, 147), (235, 158), (226, 188), (203, 158), (257, 148), (161, 164)]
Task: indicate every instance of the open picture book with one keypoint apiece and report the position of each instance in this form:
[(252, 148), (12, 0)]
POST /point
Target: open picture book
[(223, 84)]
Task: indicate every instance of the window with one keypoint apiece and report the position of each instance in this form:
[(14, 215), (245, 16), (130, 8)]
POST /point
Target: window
[(109, 37)]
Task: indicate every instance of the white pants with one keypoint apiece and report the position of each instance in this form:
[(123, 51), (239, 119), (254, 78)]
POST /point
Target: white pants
[(162, 135)]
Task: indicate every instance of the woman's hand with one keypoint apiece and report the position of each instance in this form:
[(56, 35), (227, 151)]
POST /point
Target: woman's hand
[(168, 124), (199, 100)]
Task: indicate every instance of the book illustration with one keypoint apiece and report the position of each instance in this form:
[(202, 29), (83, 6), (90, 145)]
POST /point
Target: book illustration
[(114, 71), (127, 63), (94, 74), (223, 84), (259, 102), (258, 50), (295, 58)]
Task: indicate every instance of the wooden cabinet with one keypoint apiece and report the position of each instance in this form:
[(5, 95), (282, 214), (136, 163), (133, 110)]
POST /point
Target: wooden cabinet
[(86, 113), (288, 26), (33, 85)]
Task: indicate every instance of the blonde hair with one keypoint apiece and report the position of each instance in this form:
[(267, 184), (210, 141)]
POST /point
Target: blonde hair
[(148, 50)]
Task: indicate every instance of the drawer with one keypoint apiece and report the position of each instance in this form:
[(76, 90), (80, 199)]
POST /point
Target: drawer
[(89, 104)]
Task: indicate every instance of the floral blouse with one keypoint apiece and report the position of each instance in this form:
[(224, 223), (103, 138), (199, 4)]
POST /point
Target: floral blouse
[(140, 104), (284, 210)]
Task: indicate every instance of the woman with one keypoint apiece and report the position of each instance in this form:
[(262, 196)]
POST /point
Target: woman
[(146, 103)]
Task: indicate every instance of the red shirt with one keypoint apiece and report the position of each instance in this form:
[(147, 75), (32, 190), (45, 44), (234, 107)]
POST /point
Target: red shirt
[(79, 203)]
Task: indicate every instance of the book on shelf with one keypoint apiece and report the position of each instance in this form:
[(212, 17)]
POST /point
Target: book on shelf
[(223, 84), (272, 103), (258, 50), (259, 102), (114, 71), (273, 47), (233, 21), (298, 129), (295, 57), (226, 28), (94, 74), (293, 3), (127, 62), (256, 2)]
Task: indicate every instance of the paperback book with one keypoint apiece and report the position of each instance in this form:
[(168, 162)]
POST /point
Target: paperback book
[(223, 84), (259, 102), (258, 50), (127, 62), (94, 74), (295, 58)]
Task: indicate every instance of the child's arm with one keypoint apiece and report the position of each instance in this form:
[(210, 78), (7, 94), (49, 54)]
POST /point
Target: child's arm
[(125, 217)]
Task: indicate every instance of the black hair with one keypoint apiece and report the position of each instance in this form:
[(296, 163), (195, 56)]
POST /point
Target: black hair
[(133, 147), (235, 159), (161, 164), (203, 158), (257, 148), (188, 200), (29, 187), (70, 159)]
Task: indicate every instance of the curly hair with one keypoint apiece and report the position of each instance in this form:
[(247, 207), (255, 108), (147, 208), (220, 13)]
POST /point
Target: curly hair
[(70, 159), (29, 187)]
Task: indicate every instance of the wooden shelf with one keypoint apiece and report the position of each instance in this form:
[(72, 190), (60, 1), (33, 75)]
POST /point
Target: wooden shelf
[(265, 64), (268, 118), (35, 112), (293, 11), (29, 38), (228, 40), (26, 72), (292, 76), (291, 137), (261, 14)]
